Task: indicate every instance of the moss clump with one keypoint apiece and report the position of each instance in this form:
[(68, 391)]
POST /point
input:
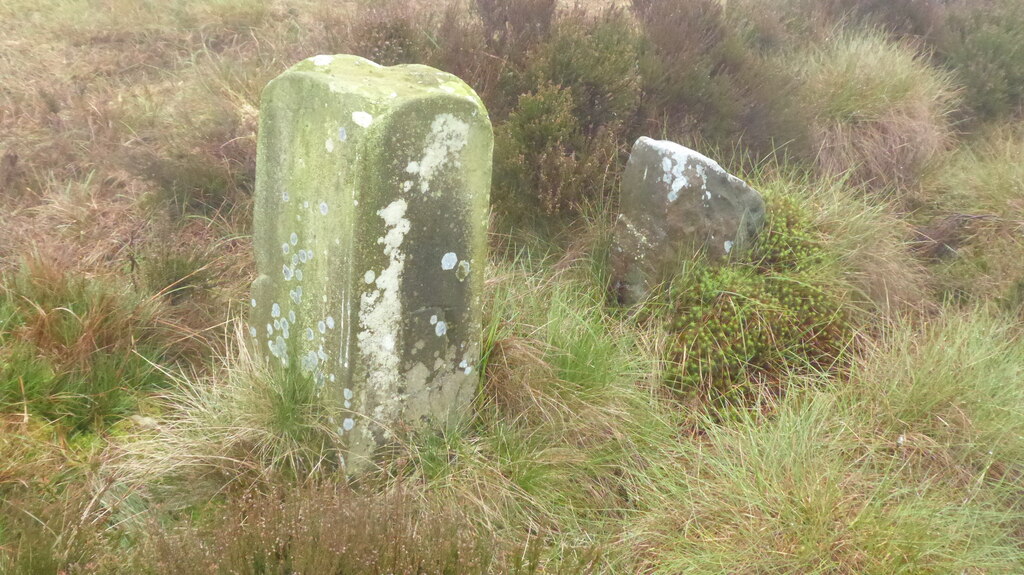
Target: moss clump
[(788, 241), (770, 315)]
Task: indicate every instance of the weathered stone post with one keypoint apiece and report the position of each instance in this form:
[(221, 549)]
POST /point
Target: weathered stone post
[(372, 188), (676, 203)]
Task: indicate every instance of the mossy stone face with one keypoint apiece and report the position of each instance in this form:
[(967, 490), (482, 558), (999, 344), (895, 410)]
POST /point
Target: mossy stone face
[(371, 207), (676, 203)]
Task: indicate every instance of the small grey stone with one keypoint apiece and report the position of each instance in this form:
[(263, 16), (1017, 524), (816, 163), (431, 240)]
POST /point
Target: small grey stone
[(676, 203)]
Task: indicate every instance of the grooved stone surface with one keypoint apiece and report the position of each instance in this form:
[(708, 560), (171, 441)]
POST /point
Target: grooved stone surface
[(675, 203), (371, 202)]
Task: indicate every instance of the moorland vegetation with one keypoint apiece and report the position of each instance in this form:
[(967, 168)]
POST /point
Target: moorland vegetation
[(847, 397)]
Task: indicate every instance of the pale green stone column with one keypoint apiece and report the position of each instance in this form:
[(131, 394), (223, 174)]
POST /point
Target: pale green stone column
[(372, 188)]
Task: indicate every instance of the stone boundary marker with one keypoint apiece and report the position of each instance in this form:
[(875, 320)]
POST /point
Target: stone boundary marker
[(674, 204), (372, 191)]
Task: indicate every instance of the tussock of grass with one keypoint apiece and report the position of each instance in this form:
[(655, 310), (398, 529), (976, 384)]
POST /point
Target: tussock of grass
[(858, 477), (976, 217), (77, 351), (863, 244), (880, 112), (243, 424)]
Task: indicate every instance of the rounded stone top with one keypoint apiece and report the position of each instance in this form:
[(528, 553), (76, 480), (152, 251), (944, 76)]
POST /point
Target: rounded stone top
[(392, 85)]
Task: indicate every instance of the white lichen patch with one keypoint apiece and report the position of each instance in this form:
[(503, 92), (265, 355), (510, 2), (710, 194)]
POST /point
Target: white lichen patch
[(380, 309), (679, 163), (727, 246), (362, 119), (329, 144), (323, 208), (441, 328), (448, 261), (448, 136)]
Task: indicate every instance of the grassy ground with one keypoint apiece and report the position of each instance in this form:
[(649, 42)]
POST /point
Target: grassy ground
[(847, 397)]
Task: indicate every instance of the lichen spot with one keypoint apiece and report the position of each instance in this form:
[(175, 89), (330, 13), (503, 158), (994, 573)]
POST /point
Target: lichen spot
[(441, 328), (286, 248), (323, 208), (369, 276), (253, 302), (309, 334), (433, 319), (293, 239), (347, 393), (342, 134), (448, 261), (287, 272), (463, 272), (362, 119), (727, 246), (330, 322), (252, 331), (348, 424), (275, 310), (291, 316), (321, 326), (322, 60), (329, 144)]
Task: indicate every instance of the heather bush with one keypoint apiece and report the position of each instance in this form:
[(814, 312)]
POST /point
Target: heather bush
[(330, 530), (983, 43), (702, 81), (596, 59), (545, 166)]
